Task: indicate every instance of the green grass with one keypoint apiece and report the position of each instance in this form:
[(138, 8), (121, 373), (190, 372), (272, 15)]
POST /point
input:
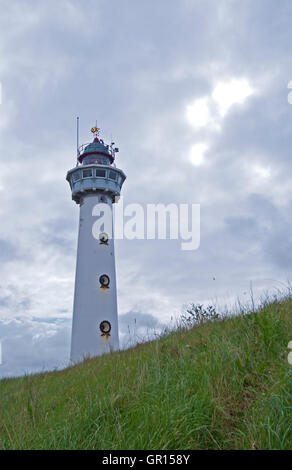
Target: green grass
[(221, 385)]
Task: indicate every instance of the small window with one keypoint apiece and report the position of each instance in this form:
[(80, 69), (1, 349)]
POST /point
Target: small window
[(100, 173), (104, 281), (105, 328), (87, 173), (76, 176), (112, 175)]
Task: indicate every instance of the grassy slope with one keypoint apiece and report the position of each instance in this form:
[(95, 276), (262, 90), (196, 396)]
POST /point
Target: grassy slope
[(223, 385)]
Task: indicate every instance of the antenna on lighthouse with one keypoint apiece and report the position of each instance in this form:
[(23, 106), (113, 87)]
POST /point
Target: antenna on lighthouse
[(77, 137)]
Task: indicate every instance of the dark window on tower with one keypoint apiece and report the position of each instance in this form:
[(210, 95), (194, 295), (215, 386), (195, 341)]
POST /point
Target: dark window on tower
[(100, 173), (112, 175), (76, 176), (87, 173)]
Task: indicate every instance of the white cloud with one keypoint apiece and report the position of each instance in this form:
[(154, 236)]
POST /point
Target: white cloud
[(261, 171), (209, 111), (228, 93), (197, 153), (198, 113)]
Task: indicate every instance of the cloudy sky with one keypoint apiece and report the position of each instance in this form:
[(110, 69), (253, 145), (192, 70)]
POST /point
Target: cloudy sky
[(195, 93)]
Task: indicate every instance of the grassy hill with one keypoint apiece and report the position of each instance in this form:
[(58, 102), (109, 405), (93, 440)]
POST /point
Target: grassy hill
[(225, 384)]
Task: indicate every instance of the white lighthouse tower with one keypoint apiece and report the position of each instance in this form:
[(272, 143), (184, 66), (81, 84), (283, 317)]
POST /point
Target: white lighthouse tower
[(94, 181)]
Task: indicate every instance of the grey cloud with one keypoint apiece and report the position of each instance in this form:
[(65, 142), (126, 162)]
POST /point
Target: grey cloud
[(159, 57), (138, 320), (14, 299), (239, 226), (4, 301), (8, 251), (136, 327), (31, 346)]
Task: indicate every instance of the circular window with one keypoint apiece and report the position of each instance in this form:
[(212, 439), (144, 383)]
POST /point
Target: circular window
[(104, 280), (105, 327), (103, 238)]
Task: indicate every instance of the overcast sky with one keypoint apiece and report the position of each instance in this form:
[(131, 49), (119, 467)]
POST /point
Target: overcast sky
[(195, 94)]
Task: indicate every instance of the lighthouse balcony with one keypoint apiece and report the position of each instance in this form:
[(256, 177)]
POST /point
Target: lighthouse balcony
[(91, 178)]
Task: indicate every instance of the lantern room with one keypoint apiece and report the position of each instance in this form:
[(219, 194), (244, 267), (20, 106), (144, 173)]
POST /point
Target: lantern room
[(97, 152)]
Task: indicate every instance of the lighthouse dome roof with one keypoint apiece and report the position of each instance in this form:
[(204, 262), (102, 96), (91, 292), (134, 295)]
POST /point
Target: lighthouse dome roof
[(97, 147)]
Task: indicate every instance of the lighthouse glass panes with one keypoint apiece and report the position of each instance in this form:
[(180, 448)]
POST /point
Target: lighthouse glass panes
[(100, 160), (113, 175), (87, 173), (76, 176), (92, 181), (100, 173)]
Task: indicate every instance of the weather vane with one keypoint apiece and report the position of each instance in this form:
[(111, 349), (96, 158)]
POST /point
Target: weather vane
[(95, 130)]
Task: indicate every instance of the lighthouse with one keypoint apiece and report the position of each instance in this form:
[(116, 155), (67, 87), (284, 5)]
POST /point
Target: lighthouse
[(95, 184)]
